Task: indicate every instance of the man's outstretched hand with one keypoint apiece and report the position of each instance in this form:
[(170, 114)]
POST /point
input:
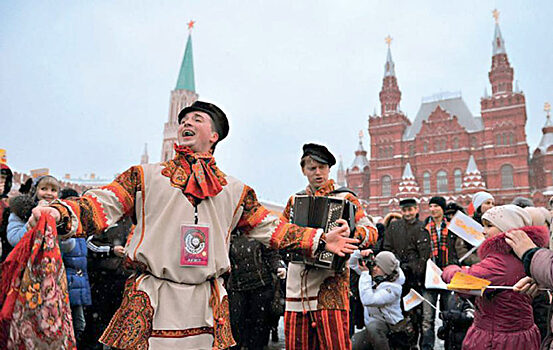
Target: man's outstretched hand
[(338, 241), (37, 213)]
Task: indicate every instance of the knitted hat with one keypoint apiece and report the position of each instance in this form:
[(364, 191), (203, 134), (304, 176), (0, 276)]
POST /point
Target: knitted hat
[(387, 261), (507, 217), (523, 202), (540, 216), (479, 198), (439, 201)]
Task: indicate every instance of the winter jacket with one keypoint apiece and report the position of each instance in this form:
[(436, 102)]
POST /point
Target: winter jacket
[(101, 255), (251, 264), (16, 229), (410, 243), (76, 270), (541, 270), (21, 207), (503, 318), (381, 301), (462, 248), (457, 319)]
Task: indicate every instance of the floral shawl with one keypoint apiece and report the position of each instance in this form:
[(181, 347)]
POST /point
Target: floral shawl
[(35, 311)]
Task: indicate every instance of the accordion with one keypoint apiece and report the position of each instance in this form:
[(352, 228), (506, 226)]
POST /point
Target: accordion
[(323, 212)]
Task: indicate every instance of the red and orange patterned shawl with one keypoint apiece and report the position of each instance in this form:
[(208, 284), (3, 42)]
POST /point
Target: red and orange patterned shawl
[(35, 309)]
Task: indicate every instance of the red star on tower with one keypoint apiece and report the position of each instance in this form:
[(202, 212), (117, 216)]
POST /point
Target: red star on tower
[(191, 24)]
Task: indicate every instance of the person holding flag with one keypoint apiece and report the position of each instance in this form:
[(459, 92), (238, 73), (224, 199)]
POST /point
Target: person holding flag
[(503, 318)]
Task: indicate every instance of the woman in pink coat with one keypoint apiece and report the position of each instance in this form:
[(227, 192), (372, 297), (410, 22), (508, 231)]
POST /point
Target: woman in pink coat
[(503, 318), (538, 262)]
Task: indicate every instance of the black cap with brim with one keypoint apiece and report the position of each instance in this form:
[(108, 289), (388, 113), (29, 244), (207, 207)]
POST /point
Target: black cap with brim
[(408, 202), (318, 153), (217, 115)]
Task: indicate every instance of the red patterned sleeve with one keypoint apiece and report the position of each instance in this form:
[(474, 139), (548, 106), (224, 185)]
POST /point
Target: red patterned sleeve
[(272, 229), (101, 207), (365, 230), (288, 209)]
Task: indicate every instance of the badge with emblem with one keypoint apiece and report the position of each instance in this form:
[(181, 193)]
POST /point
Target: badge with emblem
[(194, 245)]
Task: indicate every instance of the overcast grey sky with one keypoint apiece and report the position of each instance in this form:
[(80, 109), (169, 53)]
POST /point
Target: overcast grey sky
[(84, 84)]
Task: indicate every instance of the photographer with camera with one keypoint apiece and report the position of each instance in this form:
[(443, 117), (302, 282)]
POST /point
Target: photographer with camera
[(380, 287), (457, 319)]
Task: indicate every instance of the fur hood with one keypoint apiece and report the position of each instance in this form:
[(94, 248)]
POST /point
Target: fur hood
[(22, 206), (497, 244)]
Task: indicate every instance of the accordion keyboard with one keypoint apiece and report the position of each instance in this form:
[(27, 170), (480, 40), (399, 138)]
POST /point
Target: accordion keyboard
[(334, 213)]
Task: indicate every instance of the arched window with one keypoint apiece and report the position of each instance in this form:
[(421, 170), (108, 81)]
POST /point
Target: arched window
[(425, 147), (455, 142), (426, 182), (498, 139), (507, 176), (411, 150), (458, 177), (390, 151), (444, 144), (386, 186), (473, 142), (504, 139), (511, 139), (437, 144), (441, 181)]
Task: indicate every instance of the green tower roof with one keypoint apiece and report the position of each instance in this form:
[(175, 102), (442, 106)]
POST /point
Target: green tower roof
[(186, 74)]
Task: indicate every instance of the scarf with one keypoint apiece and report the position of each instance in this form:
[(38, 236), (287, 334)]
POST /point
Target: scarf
[(35, 311), (324, 190), (196, 174), (440, 250)]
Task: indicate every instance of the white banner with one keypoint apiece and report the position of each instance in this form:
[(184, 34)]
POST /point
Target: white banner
[(467, 228), (412, 300), (433, 276)]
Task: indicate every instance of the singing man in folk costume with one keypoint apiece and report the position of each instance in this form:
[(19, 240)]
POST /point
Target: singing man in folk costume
[(184, 210), (317, 299)]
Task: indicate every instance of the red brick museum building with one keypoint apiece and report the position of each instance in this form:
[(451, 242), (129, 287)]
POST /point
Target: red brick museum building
[(450, 152)]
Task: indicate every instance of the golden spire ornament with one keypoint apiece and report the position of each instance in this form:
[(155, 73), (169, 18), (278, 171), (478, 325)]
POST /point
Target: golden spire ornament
[(388, 40), (547, 108), (495, 14)]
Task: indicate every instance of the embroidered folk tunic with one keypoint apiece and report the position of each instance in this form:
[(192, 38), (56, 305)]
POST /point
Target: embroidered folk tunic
[(166, 305), (310, 288)]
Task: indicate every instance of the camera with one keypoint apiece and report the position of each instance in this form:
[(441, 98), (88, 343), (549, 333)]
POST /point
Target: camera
[(368, 260)]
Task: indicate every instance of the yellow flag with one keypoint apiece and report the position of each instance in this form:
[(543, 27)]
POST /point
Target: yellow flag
[(464, 282)]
